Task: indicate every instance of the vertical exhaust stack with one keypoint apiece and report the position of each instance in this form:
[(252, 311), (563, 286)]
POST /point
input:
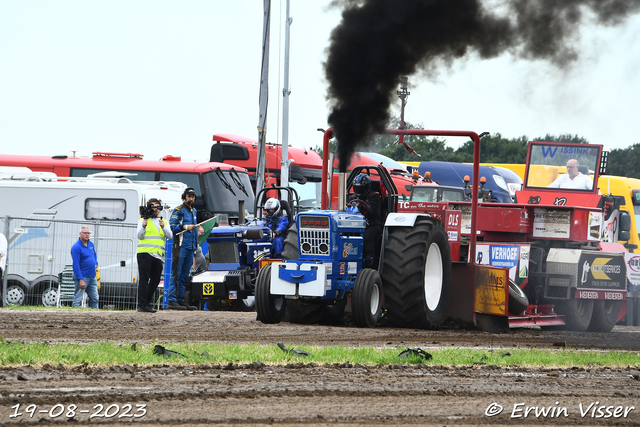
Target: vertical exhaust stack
[(379, 41), (332, 157), (342, 191), (241, 220)]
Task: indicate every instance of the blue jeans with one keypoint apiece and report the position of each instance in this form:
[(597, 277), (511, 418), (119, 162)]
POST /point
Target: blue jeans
[(185, 260), (91, 288)]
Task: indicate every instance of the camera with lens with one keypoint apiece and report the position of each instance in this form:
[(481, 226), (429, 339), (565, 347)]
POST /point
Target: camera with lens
[(147, 211)]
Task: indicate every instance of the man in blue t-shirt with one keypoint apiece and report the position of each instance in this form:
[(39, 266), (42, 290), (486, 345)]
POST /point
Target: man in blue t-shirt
[(85, 261)]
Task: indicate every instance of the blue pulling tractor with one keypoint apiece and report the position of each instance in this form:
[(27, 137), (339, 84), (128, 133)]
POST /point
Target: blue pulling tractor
[(324, 265), (551, 259), (235, 255)]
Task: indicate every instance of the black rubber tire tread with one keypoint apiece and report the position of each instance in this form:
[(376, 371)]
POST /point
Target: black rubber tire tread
[(605, 315), (518, 301), (361, 298), (405, 255), (302, 313), (265, 302), (573, 318), (290, 250)]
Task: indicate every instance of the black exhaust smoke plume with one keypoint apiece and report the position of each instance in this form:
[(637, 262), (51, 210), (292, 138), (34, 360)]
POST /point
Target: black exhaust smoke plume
[(379, 41)]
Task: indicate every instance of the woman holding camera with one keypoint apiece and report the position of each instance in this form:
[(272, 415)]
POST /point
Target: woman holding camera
[(153, 230)]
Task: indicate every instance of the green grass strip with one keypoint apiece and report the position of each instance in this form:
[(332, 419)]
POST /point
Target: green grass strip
[(107, 354)]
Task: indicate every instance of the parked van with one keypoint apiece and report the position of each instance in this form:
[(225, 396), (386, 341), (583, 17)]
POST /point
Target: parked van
[(452, 174), (42, 216), (512, 179)]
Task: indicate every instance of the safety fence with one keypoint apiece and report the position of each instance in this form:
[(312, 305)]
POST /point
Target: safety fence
[(38, 270)]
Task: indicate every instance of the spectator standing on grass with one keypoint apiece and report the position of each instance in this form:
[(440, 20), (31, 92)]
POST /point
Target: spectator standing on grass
[(184, 226), (85, 261), (152, 234)]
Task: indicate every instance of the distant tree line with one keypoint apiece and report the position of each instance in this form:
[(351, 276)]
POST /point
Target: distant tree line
[(494, 149)]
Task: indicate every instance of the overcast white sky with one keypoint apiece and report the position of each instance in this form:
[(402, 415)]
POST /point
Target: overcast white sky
[(161, 77)]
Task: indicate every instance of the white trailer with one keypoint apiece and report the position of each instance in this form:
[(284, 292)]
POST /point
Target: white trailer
[(42, 217)]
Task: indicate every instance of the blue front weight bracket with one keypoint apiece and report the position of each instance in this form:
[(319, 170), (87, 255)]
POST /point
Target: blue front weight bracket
[(298, 276)]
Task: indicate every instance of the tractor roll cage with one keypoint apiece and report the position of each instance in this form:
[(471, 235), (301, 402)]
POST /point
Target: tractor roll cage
[(390, 194), (401, 132)]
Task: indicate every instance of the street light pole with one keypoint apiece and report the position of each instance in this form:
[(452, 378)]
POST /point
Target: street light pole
[(403, 94)]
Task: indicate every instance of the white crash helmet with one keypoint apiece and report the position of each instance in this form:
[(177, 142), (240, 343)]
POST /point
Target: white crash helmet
[(272, 206)]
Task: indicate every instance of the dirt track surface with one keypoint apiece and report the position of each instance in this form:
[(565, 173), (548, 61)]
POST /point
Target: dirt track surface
[(302, 393)]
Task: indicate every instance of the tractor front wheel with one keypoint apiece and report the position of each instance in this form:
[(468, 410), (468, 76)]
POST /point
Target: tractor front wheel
[(269, 307), (417, 274), (366, 299)]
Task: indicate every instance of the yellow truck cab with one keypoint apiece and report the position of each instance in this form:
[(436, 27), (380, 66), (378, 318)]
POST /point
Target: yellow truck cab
[(629, 188)]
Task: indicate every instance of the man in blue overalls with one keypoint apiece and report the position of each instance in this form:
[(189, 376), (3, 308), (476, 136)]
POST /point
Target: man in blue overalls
[(183, 220), (277, 221)]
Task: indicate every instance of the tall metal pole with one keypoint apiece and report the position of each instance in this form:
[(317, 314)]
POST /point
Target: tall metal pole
[(403, 94), (264, 97), (3, 297), (284, 166)]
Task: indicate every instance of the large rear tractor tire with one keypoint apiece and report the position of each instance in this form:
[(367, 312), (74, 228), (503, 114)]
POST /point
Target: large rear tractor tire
[(518, 301), (605, 315), (366, 299), (270, 308), (417, 274), (290, 246), (577, 313)]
